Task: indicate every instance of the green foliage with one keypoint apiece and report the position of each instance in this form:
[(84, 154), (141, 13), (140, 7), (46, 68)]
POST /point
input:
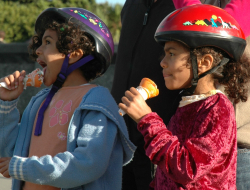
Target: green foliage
[(17, 17)]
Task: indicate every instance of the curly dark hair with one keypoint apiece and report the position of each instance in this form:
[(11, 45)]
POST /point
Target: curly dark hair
[(234, 75), (70, 38)]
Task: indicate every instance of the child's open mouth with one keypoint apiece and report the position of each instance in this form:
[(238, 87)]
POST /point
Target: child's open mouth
[(43, 65)]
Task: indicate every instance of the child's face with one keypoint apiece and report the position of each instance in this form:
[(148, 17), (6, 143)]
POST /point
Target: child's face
[(177, 72), (49, 57)]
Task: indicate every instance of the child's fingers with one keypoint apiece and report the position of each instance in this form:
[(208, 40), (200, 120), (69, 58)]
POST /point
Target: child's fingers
[(19, 83), (9, 81), (3, 168), (13, 79), (6, 174), (23, 73), (16, 75), (122, 106), (126, 101), (134, 91), (129, 95), (5, 171), (3, 160), (3, 165)]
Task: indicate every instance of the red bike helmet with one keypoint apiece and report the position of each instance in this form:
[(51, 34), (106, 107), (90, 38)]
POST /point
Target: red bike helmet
[(199, 26), (203, 25)]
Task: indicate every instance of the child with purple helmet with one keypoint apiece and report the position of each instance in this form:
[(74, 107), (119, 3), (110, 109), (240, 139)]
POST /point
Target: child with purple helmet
[(70, 135)]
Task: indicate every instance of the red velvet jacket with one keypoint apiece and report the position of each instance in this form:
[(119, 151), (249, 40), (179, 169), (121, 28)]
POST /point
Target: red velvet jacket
[(197, 150)]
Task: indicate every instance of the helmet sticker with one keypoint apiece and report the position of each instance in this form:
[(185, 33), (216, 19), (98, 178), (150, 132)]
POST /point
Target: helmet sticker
[(93, 20), (187, 23), (214, 21)]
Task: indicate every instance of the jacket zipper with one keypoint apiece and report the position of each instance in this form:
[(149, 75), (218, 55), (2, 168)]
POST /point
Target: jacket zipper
[(147, 12), (135, 45)]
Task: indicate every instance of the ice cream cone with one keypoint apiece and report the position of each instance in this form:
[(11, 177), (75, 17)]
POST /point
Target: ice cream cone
[(150, 87), (35, 78)]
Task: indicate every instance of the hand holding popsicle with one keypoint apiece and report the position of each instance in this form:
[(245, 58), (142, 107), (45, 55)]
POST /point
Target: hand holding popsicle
[(16, 82), (35, 78), (134, 100)]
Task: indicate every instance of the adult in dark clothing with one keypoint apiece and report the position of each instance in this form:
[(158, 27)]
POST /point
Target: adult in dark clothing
[(138, 57)]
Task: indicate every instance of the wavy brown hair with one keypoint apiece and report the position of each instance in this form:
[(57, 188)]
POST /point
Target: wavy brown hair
[(234, 75), (70, 39)]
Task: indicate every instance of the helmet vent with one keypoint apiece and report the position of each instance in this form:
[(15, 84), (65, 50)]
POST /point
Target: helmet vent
[(173, 14)]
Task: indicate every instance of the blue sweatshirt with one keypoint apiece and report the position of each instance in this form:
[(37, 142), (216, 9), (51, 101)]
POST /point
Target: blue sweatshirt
[(95, 153)]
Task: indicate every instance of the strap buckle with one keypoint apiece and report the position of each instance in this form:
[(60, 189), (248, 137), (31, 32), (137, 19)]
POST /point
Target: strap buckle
[(60, 80)]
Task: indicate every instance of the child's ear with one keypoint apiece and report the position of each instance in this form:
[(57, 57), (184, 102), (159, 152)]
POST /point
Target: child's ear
[(205, 63), (75, 56)]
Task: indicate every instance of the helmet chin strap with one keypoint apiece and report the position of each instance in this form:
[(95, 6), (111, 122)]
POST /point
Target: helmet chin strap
[(190, 91), (61, 77)]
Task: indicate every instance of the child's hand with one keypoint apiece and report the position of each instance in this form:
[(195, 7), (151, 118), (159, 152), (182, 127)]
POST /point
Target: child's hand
[(4, 166), (15, 83), (134, 105)]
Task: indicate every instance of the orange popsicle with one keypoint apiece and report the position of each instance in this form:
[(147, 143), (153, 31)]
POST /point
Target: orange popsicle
[(35, 78), (150, 87)]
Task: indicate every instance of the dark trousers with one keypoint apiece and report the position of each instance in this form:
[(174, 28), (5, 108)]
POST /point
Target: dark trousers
[(243, 169), (137, 174)]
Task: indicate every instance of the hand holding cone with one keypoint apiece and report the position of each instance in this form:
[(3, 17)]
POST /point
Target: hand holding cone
[(147, 88)]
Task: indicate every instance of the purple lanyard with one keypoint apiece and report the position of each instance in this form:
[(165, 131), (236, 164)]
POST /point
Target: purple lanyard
[(65, 71)]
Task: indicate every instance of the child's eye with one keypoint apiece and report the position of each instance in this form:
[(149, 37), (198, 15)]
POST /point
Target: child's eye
[(171, 54), (47, 42)]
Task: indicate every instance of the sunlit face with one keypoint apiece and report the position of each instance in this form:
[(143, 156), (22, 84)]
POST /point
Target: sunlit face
[(49, 57), (177, 72)]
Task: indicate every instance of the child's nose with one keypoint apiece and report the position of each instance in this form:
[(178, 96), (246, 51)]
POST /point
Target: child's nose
[(39, 51), (163, 64)]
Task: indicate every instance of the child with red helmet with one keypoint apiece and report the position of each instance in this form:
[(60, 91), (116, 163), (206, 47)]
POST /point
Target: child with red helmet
[(198, 147), (238, 9), (70, 135)]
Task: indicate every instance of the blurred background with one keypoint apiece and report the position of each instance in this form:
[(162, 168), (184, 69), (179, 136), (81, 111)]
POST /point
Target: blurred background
[(17, 17), (17, 20)]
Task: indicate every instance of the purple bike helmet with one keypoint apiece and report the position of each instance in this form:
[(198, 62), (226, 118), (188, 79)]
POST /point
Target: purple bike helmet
[(93, 27), (88, 22)]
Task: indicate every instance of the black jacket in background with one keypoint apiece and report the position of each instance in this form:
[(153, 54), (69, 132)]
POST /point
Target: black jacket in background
[(139, 56)]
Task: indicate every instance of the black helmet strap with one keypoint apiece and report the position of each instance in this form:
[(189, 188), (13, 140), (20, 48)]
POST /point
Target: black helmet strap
[(190, 91), (223, 62)]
